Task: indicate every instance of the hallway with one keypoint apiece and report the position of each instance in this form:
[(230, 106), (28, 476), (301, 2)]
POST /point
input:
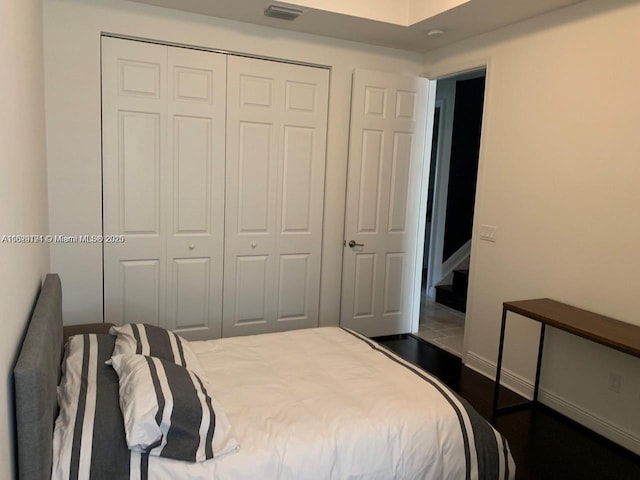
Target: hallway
[(441, 326)]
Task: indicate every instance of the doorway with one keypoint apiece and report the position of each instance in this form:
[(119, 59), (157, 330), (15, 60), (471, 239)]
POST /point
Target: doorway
[(451, 201)]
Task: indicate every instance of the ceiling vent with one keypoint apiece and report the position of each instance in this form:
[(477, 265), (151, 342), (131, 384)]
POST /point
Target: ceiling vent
[(282, 13)]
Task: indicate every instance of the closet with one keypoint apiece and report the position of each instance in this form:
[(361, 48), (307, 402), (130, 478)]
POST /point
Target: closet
[(213, 174)]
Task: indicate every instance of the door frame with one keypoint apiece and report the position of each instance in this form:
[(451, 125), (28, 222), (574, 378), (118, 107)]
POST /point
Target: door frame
[(452, 69), (236, 53), (441, 186)]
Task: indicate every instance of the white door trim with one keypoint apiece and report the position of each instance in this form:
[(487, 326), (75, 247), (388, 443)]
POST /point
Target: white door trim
[(449, 69), (214, 50)]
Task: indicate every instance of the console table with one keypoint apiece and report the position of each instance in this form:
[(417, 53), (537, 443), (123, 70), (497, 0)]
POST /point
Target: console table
[(622, 336)]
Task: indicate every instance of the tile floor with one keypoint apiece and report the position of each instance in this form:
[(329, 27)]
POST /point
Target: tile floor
[(442, 326)]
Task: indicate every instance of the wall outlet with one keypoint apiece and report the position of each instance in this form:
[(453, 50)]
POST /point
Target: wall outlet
[(615, 382), (488, 232)]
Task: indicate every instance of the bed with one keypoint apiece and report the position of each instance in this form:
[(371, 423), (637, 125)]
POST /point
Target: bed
[(324, 403)]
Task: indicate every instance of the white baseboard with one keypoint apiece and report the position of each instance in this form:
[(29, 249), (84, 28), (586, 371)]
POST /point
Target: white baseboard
[(594, 422), (524, 387), (509, 379)]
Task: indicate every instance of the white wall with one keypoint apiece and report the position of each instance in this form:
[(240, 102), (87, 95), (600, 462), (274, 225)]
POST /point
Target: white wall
[(559, 176), (72, 72), (23, 193)]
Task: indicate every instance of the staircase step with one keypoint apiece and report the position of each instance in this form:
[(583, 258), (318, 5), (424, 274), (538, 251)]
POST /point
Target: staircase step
[(448, 296), (461, 280)]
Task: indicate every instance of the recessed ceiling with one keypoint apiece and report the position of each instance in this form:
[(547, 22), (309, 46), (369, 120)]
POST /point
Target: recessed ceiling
[(399, 24)]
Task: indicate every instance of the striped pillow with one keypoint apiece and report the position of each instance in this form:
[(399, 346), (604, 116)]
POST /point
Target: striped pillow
[(143, 339), (168, 411)]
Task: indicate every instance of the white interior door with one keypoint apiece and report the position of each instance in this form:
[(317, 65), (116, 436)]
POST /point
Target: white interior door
[(384, 194), (163, 185), (276, 143)]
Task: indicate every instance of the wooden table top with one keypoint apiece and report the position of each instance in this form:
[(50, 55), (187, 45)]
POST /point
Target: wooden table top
[(592, 326)]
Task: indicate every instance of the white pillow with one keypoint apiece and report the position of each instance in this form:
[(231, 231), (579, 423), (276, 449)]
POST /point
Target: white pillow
[(143, 339), (168, 411)]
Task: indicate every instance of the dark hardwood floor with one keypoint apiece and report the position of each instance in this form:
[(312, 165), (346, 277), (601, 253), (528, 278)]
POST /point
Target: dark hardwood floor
[(545, 445)]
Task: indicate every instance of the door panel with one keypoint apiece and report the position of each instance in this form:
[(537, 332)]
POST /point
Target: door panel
[(400, 166), (365, 281), (369, 181), (393, 283), (195, 191), (139, 184), (388, 130), (276, 136), (293, 287), (134, 124), (297, 179), (192, 169), (254, 169), (139, 78), (141, 296), (251, 290), (163, 183)]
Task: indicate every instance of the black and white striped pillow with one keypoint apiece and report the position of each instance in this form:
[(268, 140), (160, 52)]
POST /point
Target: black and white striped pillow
[(143, 339), (168, 411)]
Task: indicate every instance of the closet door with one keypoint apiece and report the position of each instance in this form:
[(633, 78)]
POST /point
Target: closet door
[(276, 143), (163, 185), (195, 188)]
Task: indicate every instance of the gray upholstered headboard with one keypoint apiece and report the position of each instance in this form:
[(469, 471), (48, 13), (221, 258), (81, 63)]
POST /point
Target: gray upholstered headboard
[(36, 377)]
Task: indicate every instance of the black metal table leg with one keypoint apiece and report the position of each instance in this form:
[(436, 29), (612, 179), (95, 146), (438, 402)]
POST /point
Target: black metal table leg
[(536, 387), (496, 388)]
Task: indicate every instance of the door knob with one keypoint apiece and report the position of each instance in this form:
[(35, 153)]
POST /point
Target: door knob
[(352, 243), (192, 246)]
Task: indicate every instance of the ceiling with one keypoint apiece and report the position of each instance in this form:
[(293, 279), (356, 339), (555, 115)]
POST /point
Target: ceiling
[(401, 24)]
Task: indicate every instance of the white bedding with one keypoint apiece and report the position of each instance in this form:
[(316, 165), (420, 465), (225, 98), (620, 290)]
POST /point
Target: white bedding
[(323, 404), (315, 404)]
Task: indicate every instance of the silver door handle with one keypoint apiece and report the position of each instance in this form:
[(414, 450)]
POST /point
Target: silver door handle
[(352, 243)]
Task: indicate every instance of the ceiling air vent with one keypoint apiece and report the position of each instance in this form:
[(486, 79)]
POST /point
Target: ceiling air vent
[(282, 13)]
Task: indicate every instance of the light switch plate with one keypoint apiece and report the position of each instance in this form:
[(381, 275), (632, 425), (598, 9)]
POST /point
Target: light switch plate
[(488, 233)]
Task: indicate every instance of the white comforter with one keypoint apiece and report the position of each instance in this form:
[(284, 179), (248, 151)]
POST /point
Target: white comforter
[(315, 404), (324, 404)]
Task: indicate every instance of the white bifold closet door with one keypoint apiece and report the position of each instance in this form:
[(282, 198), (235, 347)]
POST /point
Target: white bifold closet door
[(163, 185), (276, 142)]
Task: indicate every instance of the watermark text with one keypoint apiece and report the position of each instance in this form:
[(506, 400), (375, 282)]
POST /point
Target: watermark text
[(18, 238)]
